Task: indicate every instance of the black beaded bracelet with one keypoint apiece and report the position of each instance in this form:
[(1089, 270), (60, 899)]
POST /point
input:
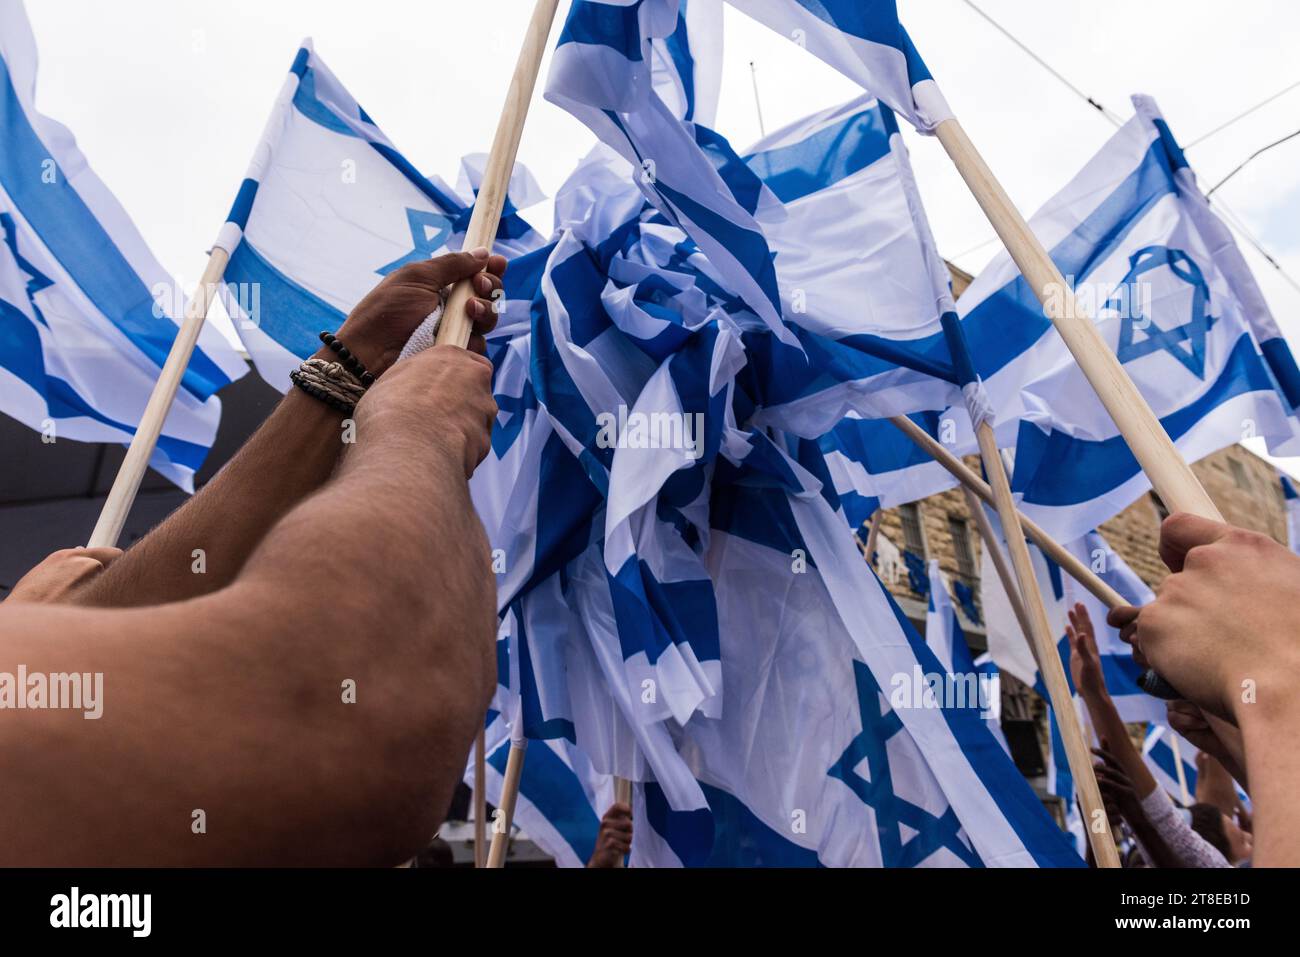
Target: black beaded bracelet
[(350, 362)]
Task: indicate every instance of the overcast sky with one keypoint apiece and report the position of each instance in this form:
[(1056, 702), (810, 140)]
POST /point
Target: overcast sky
[(168, 97)]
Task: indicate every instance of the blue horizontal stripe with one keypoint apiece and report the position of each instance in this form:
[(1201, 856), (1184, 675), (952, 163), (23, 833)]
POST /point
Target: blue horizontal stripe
[(551, 787), (826, 157), (1282, 364), (607, 25), (22, 356), (85, 250), (1055, 469), (289, 314)]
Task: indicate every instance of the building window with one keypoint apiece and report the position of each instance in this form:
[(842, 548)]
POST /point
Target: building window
[(961, 548), (1239, 475), (913, 537), (1162, 513)]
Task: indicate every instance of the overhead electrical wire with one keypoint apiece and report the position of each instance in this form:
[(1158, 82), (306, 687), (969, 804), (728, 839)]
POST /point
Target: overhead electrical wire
[(1233, 219)]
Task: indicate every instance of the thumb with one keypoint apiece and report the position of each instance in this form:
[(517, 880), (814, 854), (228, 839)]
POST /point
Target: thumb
[(1181, 532), (447, 270)]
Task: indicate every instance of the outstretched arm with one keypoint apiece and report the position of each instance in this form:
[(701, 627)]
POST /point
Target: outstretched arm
[(1085, 669), (202, 546), (322, 705)]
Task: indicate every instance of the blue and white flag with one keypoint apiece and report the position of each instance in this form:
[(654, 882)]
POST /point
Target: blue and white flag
[(602, 74), (864, 40), (87, 314), (1291, 501), (327, 209), (1174, 299), (1164, 750), (861, 280), (943, 629), (944, 635), (841, 743), (560, 800)]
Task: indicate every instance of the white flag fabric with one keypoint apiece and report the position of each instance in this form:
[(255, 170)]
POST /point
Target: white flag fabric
[(1172, 297), (864, 40), (657, 549), (1163, 757), (87, 314), (560, 800), (329, 207)]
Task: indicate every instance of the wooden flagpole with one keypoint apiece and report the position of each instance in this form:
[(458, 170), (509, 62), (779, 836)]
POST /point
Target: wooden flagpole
[(1049, 662), (1053, 549), (509, 796), (455, 326), (1171, 476), (112, 517)]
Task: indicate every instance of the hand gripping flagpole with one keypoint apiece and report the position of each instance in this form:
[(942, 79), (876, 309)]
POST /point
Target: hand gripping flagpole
[(1171, 476), (455, 327), (1040, 630), (112, 518)]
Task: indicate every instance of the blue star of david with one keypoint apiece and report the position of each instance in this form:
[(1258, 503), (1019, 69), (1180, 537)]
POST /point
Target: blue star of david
[(892, 811), (36, 280), (1186, 343), (429, 232)]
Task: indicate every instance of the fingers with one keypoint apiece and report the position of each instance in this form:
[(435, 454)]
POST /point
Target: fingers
[(448, 269), (102, 554), (1122, 616), (1181, 532)]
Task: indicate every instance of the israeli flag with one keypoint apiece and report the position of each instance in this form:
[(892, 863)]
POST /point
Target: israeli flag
[(874, 465), (327, 209), (560, 800), (833, 748), (87, 314), (1292, 503), (942, 628), (860, 278), (1172, 760), (1173, 298), (944, 636), (602, 74), (864, 40)]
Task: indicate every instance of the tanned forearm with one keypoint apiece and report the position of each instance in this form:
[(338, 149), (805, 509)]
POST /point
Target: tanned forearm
[(379, 582), (201, 547)]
